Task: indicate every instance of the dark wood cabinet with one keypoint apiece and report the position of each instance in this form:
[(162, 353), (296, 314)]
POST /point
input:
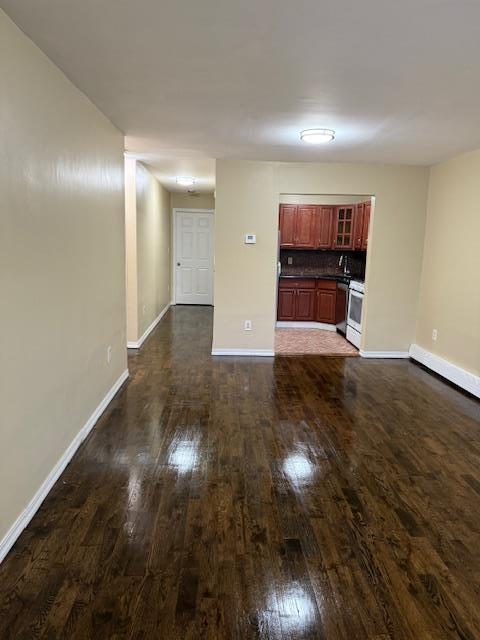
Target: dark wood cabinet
[(326, 301), (358, 226), (326, 306), (305, 305), (308, 300), (297, 226), (324, 220), (366, 224), (296, 299), (343, 227), (288, 215), (286, 304), (305, 227)]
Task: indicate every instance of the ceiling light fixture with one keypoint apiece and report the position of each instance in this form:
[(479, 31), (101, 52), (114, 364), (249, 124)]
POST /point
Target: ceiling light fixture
[(317, 136), (185, 181)]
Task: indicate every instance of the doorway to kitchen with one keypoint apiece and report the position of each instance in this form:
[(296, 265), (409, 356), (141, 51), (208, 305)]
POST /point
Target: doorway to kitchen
[(322, 254), (193, 253)]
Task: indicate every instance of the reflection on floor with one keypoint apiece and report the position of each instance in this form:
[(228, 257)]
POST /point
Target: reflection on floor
[(314, 341), (236, 498)]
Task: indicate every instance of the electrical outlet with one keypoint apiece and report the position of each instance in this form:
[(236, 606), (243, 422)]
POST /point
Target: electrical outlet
[(290, 260), (144, 309), (434, 335), (109, 355), (248, 325)]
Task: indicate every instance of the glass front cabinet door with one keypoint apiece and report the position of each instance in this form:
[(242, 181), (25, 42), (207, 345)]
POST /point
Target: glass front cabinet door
[(344, 218)]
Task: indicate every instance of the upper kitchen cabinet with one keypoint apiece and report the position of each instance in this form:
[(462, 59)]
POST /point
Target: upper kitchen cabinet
[(324, 221), (358, 226), (305, 227), (297, 226), (288, 214), (343, 227), (366, 224)]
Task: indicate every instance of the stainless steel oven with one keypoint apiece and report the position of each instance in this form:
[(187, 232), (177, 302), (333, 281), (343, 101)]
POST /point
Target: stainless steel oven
[(355, 310)]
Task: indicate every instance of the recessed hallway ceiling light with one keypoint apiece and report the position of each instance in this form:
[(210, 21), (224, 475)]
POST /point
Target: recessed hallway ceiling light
[(185, 181), (317, 136)]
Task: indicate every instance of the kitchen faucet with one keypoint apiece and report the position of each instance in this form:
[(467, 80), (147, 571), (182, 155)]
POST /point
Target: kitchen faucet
[(344, 260)]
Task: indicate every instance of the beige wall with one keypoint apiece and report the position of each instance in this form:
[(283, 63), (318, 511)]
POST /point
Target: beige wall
[(450, 292), (289, 198), (186, 201), (131, 248), (244, 282), (247, 195), (148, 239), (153, 248), (61, 266)]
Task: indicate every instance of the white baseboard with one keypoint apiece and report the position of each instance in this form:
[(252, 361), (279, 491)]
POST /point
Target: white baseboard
[(283, 324), (243, 352), (384, 354), (138, 343), (27, 514), (464, 379)]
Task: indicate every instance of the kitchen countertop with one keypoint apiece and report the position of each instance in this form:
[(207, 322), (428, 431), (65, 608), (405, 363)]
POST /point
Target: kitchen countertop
[(318, 276)]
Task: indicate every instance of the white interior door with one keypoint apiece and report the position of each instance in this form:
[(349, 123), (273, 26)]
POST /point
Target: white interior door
[(193, 257)]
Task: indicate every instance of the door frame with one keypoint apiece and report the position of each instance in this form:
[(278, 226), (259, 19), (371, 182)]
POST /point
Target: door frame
[(175, 212)]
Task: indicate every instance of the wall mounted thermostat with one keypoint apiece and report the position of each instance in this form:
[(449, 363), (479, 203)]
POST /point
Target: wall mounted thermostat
[(250, 238)]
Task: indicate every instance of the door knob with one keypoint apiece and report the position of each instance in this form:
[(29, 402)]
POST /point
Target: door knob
[(178, 264)]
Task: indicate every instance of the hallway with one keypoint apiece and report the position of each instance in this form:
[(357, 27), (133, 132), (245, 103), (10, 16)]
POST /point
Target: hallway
[(246, 498)]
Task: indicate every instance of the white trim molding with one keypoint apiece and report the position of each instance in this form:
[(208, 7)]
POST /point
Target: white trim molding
[(243, 352), (27, 514), (137, 344), (464, 379), (384, 354), (284, 324)]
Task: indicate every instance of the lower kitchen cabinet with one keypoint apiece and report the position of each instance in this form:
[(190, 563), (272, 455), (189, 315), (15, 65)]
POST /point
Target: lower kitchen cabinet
[(296, 300), (305, 305), (326, 301), (307, 300), (326, 305), (286, 304)]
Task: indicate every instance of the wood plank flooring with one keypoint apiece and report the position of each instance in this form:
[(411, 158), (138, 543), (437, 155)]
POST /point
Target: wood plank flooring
[(238, 498)]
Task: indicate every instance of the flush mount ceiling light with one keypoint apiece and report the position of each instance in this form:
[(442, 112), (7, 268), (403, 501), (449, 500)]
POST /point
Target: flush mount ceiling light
[(185, 181), (317, 136)]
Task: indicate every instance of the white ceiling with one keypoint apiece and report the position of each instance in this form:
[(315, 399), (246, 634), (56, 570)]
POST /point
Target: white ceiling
[(192, 80), (167, 167)]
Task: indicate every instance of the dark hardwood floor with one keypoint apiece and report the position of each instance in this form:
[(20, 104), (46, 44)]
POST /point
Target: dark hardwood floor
[(237, 498)]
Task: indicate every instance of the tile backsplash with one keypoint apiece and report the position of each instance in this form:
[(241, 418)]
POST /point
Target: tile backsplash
[(317, 262)]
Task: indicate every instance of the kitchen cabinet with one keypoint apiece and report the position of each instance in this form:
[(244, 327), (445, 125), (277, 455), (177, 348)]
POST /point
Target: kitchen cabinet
[(305, 227), (297, 226), (286, 304), (305, 305), (288, 215), (326, 301), (343, 227), (358, 226), (366, 224), (324, 221), (308, 300), (296, 300)]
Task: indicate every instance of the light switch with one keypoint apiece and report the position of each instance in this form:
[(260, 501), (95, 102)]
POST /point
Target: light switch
[(250, 238)]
